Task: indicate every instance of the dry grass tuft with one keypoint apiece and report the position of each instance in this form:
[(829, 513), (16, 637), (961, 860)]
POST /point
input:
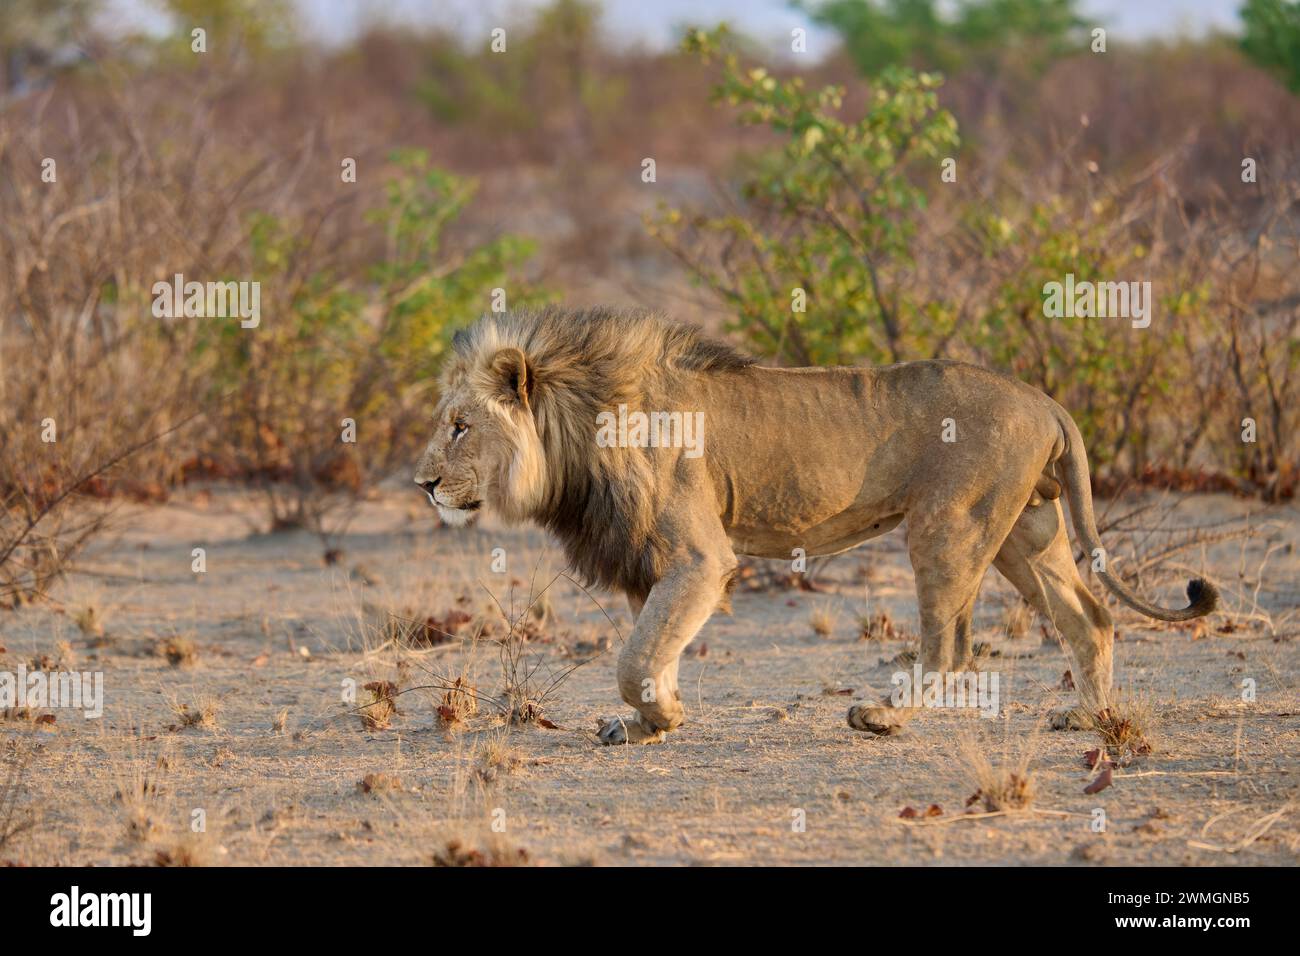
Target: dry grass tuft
[(822, 620), (179, 650), (1123, 729), (459, 703), (139, 792), (379, 783), (378, 713), (879, 627), (498, 759), (523, 710), (193, 849), (89, 622), (1005, 785), (495, 852), (202, 714), (416, 629), (528, 678)]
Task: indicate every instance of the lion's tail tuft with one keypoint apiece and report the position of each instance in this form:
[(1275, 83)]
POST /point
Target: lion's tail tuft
[(1072, 469)]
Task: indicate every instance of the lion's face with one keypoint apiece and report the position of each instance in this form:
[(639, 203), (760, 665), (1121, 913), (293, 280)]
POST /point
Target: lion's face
[(484, 451)]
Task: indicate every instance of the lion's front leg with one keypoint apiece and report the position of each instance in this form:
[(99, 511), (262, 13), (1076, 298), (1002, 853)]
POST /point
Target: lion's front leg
[(673, 613)]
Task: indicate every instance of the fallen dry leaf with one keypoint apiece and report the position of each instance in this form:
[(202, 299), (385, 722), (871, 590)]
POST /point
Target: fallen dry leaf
[(1101, 783)]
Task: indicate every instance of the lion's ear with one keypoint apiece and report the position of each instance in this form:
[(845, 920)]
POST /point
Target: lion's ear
[(511, 371)]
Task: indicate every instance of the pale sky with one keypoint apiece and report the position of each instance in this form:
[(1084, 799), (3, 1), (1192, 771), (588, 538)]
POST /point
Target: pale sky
[(654, 23)]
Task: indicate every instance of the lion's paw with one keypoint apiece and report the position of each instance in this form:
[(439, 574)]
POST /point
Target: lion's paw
[(884, 721), (616, 730)]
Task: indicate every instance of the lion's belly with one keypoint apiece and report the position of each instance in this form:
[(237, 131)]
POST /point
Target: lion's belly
[(839, 533)]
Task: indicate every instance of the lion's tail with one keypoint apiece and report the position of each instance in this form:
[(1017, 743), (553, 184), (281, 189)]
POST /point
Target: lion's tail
[(1072, 469)]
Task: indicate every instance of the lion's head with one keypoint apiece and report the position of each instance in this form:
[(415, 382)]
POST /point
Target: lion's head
[(485, 449), (515, 430)]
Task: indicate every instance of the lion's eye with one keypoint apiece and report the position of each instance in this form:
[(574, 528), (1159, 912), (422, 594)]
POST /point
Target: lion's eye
[(458, 429)]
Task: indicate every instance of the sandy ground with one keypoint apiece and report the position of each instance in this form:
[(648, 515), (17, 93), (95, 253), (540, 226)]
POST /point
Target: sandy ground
[(765, 770)]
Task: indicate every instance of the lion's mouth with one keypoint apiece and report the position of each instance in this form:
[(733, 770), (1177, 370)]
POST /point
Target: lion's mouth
[(448, 506)]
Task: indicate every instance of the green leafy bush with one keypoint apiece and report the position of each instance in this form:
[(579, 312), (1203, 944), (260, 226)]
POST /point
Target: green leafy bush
[(1111, 376), (814, 264), (1272, 37), (926, 34)]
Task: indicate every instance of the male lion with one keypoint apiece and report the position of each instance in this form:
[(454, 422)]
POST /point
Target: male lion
[(815, 458)]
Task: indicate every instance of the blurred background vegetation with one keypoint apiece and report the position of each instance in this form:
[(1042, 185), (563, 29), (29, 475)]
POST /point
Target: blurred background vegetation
[(522, 171)]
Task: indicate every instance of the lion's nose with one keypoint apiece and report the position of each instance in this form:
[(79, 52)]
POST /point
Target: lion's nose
[(429, 486)]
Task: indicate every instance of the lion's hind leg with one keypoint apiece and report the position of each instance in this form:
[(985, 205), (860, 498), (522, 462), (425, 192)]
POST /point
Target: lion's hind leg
[(950, 555), (1036, 558)]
